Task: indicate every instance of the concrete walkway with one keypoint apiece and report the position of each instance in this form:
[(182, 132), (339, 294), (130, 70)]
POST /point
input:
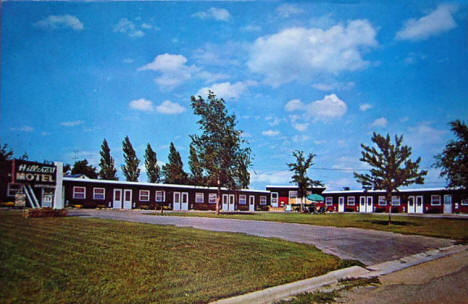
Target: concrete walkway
[(368, 246)]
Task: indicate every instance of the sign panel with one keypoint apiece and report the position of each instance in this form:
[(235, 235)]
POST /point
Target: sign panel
[(30, 172)]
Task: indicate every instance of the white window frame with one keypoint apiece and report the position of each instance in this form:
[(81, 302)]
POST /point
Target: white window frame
[(292, 194), (464, 202), (348, 201), (433, 199), (199, 195), (242, 199), (95, 195), (212, 198), (274, 197), (329, 201), (141, 195), (162, 197), (396, 200), (382, 201), (75, 192), (12, 191), (263, 200)]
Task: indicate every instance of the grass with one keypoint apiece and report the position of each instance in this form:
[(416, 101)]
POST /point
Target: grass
[(456, 229), (83, 260)]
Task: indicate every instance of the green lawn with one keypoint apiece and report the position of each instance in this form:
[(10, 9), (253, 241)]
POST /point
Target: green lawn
[(456, 229), (80, 260)]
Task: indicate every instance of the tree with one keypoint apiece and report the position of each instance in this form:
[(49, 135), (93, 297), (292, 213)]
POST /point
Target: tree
[(220, 147), (82, 167), (173, 171), (391, 167), (130, 169), (108, 171), (299, 169), (151, 165), (243, 174), (5, 153), (196, 177), (66, 169), (454, 159)]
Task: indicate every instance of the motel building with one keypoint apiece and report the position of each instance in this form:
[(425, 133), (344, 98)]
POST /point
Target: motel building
[(35, 185)]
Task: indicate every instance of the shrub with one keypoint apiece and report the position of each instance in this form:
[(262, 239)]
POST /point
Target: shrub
[(44, 212), (144, 206), (101, 206), (7, 204), (77, 206)]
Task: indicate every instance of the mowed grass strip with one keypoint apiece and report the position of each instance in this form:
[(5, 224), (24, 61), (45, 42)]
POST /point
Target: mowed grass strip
[(80, 260), (456, 229)]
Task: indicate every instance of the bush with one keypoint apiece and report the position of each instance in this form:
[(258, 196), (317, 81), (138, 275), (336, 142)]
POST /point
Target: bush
[(144, 206), (101, 206), (44, 212), (7, 204), (77, 206)]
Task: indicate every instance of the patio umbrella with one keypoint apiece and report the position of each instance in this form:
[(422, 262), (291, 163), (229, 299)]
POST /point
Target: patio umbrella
[(315, 198)]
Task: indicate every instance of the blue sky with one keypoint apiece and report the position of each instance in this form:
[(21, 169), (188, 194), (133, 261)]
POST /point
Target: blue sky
[(320, 77)]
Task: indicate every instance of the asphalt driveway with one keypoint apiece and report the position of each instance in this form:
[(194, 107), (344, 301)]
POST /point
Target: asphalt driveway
[(368, 246)]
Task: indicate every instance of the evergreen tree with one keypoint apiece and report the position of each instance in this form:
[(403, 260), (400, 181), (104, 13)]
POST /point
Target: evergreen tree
[(151, 165), (195, 167), (391, 167), (454, 159), (173, 171), (130, 169), (82, 167), (220, 147), (108, 171), (300, 178)]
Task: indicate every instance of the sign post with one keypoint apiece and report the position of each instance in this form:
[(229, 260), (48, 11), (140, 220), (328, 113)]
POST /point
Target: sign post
[(58, 199)]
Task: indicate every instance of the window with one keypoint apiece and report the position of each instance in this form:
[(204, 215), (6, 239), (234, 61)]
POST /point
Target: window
[(99, 194), (435, 200), (242, 199), (351, 200), (12, 189), (329, 201), (382, 201), (212, 198), (464, 202), (292, 194), (199, 198), (160, 196), (144, 196), (395, 201), (263, 200), (79, 192)]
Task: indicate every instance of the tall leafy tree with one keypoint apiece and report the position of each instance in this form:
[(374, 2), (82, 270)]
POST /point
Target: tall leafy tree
[(220, 146), (299, 177), (82, 167), (130, 168), (151, 165), (454, 159), (108, 170), (173, 171), (243, 174), (391, 167), (196, 170), (5, 153)]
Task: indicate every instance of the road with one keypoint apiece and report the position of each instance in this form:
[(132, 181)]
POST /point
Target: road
[(368, 246)]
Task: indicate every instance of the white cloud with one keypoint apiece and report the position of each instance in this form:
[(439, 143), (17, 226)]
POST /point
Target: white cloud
[(142, 105), (380, 122), (364, 107), (172, 68), (60, 22), (288, 10), (219, 14), (333, 86), (425, 134), (72, 123), (168, 107), (270, 132), (300, 138), (129, 28), (44, 133), (251, 28), (331, 106), (91, 156), (23, 129), (273, 120), (438, 21), (300, 126), (271, 177), (299, 53), (128, 60), (227, 90)]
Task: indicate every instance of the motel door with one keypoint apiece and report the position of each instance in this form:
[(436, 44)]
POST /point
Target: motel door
[(419, 204), (447, 203), (117, 202), (252, 203), (370, 204), (411, 205), (184, 205), (176, 201), (225, 202), (341, 204), (127, 203), (231, 202), (362, 204)]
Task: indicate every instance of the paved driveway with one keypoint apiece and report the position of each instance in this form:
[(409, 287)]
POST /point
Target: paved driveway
[(368, 246)]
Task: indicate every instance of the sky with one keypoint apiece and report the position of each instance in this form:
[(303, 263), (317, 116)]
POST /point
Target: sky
[(319, 77)]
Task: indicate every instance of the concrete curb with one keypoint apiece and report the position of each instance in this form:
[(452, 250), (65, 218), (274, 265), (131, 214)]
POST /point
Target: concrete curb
[(272, 294)]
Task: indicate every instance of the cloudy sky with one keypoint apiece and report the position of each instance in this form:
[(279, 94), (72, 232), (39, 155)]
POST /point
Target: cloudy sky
[(317, 77)]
